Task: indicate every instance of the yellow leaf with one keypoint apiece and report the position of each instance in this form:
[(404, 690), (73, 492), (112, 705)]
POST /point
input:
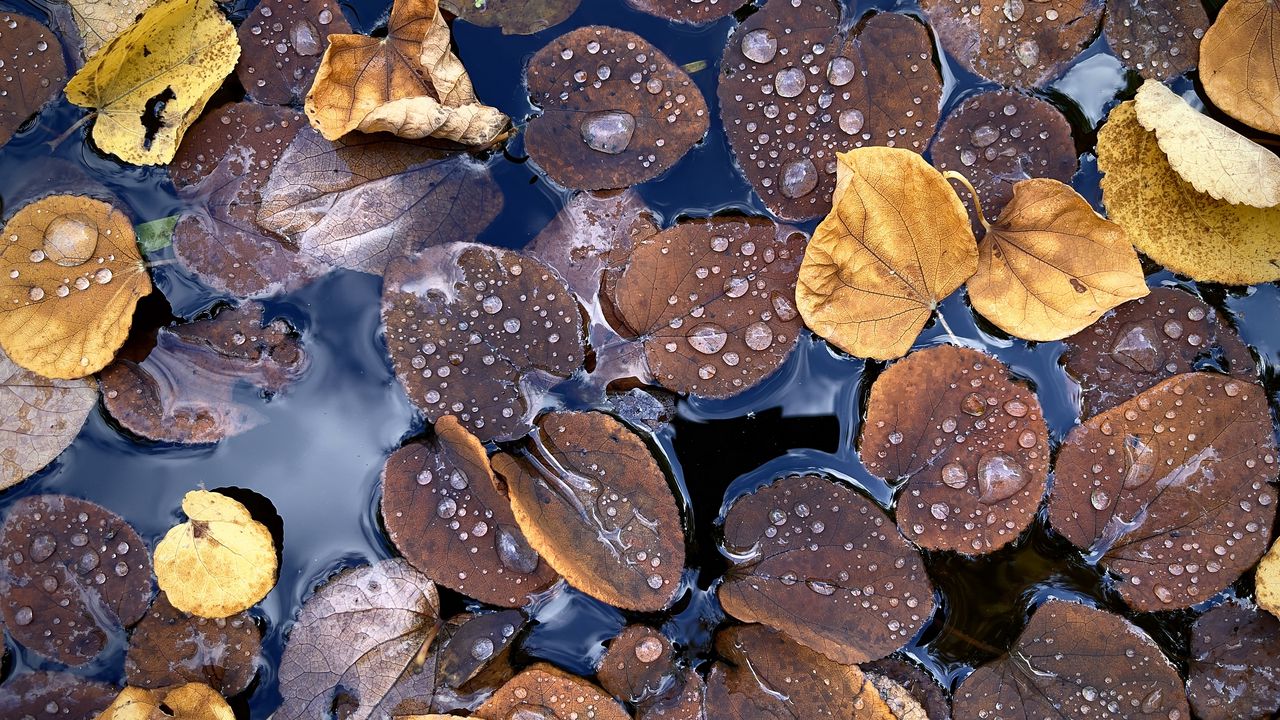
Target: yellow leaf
[(1211, 156), (895, 243), (1169, 220), (150, 83), (1267, 581), (1049, 265), (193, 701), (1240, 62), (219, 562), (72, 277), (101, 21)]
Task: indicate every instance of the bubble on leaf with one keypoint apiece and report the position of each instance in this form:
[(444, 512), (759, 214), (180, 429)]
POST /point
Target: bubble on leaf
[(273, 76), (1234, 663), (170, 647), (543, 692)]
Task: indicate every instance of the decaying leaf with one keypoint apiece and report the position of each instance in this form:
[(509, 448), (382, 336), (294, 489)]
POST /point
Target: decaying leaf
[(1158, 38), (825, 566), (151, 82), (896, 242), (281, 43), (1268, 580), (1240, 63), (101, 21), (916, 681), (593, 502), (515, 17), (639, 664), (39, 418), (1234, 670), (31, 695), (192, 701), (35, 71), (73, 277), (546, 693), (694, 12), (1170, 490), (170, 647), (592, 234), (970, 441)]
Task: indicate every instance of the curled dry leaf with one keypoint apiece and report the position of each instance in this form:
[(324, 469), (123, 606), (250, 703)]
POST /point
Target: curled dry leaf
[(694, 12), (54, 696), (1158, 38), (593, 233), (593, 502), (1169, 491), (149, 84), (1075, 657), (39, 418), (36, 71), (824, 565), (1267, 581), (970, 441), (443, 511), (1244, 84), (192, 701), (1234, 672), (544, 692), (874, 85), (515, 17), (471, 331), (74, 277), (101, 21), (916, 681), (72, 575), (895, 244), (638, 665), (281, 43), (170, 647)]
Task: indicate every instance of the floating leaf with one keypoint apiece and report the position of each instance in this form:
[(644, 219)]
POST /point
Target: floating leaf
[(150, 83), (364, 201), (444, 513), (170, 647), (653, 408), (694, 12), (895, 244), (101, 21), (39, 418), (473, 657), (1169, 491), (1235, 664), (72, 575), (615, 110), (1050, 266), (593, 233), (1159, 39), (36, 71), (1076, 659), (970, 441), (1268, 581), (71, 697), (471, 329), (685, 700), (875, 85), (192, 701), (74, 276), (917, 681), (1245, 85), (902, 705), (546, 693), (515, 17), (281, 43), (156, 235), (825, 566), (593, 502), (640, 662)]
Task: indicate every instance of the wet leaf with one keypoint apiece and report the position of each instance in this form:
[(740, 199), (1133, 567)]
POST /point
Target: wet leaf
[(1235, 664), (653, 408), (281, 43), (694, 12), (192, 701), (358, 649), (1159, 39), (971, 442), (902, 705), (446, 516), (825, 566), (156, 235), (515, 17), (183, 390), (149, 84), (896, 243), (593, 233), (875, 85), (473, 657), (50, 695), (72, 575), (1268, 581), (616, 111), (916, 681), (36, 71), (219, 562), (74, 276), (101, 21), (364, 201), (546, 693), (1169, 220), (473, 332), (1244, 85), (1147, 340), (593, 502), (1050, 266), (39, 418), (638, 665), (409, 83), (1169, 491), (170, 647), (1078, 660), (685, 700)]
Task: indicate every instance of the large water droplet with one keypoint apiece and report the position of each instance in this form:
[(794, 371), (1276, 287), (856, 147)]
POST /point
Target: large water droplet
[(954, 476), (648, 650), (789, 82), (1027, 52), (447, 508), (514, 553), (759, 46), (758, 336), (608, 132), (984, 135), (1013, 9), (1099, 499), (1139, 462), (840, 71), (799, 178), (306, 39), (43, 546), (71, 239), (999, 477), (736, 286), (23, 616), (821, 587), (482, 649), (1136, 348), (707, 338), (974, 405), (851, 121)]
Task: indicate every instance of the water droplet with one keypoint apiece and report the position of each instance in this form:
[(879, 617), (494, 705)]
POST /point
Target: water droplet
[(706, 372), (103, 276), (974, 405), (1099, 499), (840, 71), (608, 132), (447, 508), (707, 338), (81, 283), (306, 39), (655, 581), (789, 82), (999, 477), (939, 511), (759, 46), (491, 304), (1139, 462), (482, 649), (954, 476), (1173, 329), (1232, 389), (851, 121), (1027, 52), (654, 86), (1027, 439), (736, 286), (758, 336), (799, 178), (425, 477), (514, 553), (23, 615), (821, 587), (648, 650), (1152, 701), (42, 547), (1164, 593), (457, 480), (325, 17), (35, 294), (1136, 349), (895, 438), (511, 325)]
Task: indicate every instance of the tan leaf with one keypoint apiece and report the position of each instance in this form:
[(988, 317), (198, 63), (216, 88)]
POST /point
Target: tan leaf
[(1240, 62), (1268, 580), (39, 418), (193, 701), (101, 21)]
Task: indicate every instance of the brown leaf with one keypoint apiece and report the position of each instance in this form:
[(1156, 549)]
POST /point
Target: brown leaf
[(686, 700), (1245, 85), (1159, 39), (638, 665), (54, 696), (694, 12), (473, 657), (515, 17), (39, 418), (36, 71), (281, 44), (1234, 670), (170, 647), (546, 693), (918, 682)]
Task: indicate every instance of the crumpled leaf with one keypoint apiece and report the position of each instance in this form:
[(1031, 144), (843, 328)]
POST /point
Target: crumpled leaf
[(193, 701), (101, 21), (276, 76), (72, 280), (1234, 671), (895, 244), (594, 503), (547, 693), (922, 686), (1158, 38), (149, 84), (1049, 266), (39, 418), (31, 695), (1079, 660), (1169, 220), (515, 17), (219, 562), (639, 663), (35, 71), (694, 12), (409, 83), (1240, 63), (1170, 490), (170, 647), (1268, 581)]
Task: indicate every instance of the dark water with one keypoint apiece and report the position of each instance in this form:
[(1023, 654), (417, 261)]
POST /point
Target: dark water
[(318, 456)]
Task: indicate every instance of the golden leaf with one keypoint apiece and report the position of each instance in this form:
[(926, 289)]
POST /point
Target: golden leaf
[(193, 701), (72, 278), (1240, 63), (101, 21), (150, 83), (1268, 580), (409, 83), (1166, 218), (219, 562), (1049, 265), (895, 243)]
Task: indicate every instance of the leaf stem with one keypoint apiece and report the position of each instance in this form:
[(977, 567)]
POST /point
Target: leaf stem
[(977, 203), (159, 263), (943, 321), (71, 130)]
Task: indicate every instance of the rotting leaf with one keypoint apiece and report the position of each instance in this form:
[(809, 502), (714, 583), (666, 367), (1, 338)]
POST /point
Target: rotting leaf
[(170, 647), (1170, 491), (895, 244), (795, 91), (193, 701), (54, 696), (445, 514), (473, 331), (1234, 671), (546, 693), (918, 682), (39, 418), (971, 442), (902, 705), (281, 43), (694, 12), (594, 503), (101, 21), (639, 664), (72, 575), (650, 408), (515, 17), (616, 111), (592, 234), (1077, 657), (473, 657), (1158, 38), (1240, 63), (824, 565), (35, 71)]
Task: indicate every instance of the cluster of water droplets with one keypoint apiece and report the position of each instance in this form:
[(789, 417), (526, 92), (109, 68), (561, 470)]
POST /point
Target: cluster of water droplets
[(1159, 40), (1005, 136), (32, 58), (291, 34)]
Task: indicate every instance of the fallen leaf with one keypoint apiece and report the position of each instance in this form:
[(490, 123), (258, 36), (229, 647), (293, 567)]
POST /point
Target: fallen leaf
[(922, 686), (546, 693), (39, 418), (901, 704), (685, 700), (639, 664), (594, 503), (101, 21), (281, 43), (895, 244), (1244, 85), (817, 561), (515, 17), (74, 277), (1268, 581), (1159, 39), (192, 701), (150, 83), (877, 84), (36, 71), (969, 440), (1049, 266), (31, 695), (592, 234), (1169, 491), (170, 647), (693, 12), (156, 235), (1234, 671), (473, 657)]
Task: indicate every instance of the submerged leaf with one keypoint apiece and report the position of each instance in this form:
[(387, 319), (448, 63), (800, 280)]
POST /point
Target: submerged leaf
[(71, 697), (192, 701), (639, 663), (1234, 671), (685, 700), (281, 43), (515, 17), (1240, 63), (1158, 38), (36, 71), (101, 21), (593, 233), (156, 235), (39, 418), (473, 657), (694, 12), (170, 647), (546, 693)]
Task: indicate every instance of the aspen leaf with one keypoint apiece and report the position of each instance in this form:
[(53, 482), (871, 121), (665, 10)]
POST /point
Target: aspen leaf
[(193, 701), (101, 21), (1240, 63)]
